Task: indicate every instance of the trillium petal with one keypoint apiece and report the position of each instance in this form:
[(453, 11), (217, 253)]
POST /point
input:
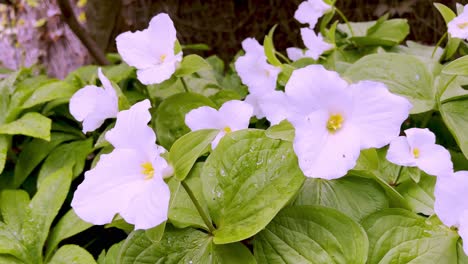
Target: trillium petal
[(216, 140), (322, 154), (457, 27), (131, 129), (84, 101), (435, 160), (204, 117), (295, 53), (276, 107), (310, 11), (254, 101), (148, 207), (378, 113), (109, 187), (463, 230), (256, 73), (251, 45), (418, 137), (136, 49), (399, 152), (157, 73), (236, 114), (451, 197), (314, 42), (162, 34)]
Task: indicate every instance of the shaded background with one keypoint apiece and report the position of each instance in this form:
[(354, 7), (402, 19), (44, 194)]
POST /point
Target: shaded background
[(32, 31)]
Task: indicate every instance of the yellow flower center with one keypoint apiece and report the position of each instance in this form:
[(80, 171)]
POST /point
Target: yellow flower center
[(162, 58), (227, 129), (416, 153), (147, 170), (463, 25), (334, 123)]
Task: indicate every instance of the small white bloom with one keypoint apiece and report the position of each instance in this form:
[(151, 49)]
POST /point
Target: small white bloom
[(314, 43), (295, 54), (419, 149), (151, 51), (310, 11), (451, 202), (232, 116), (333, 121), (92, 105), (458, 27), (128, 181)]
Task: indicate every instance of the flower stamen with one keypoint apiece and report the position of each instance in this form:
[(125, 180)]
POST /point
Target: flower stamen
[(462, 25), (162, 58), (147, 170), (334, 123), (416, 153), (227, 129)]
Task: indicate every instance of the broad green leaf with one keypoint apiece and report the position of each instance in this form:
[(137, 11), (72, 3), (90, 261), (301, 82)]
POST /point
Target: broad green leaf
[(385, 33), (110, 257), (311, 234), (246, 180), (186, 150), (368, 161), (10, 243), (72, 254), (420, 196), (269, 48), (181, 246), (424, 54), (69, 225), (198, 46), (9, 259), (166, 89), (49, 92), (284, 131), (4, 146), (454, 114), (359, 28), (403, 74), (457, 67), (82, 76), (30, 124), (223, 96), (118, 73), (191, 64), (170, 116), (446, 12), (182, 211), (400, 236), (43, 209), (14, 206), (72, 155), (354, 196), (33, 153), (156, 233)]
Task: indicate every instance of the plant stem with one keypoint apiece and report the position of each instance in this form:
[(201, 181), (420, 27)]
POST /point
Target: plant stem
[(395, 182), (438, 44), (184, 84), (345, 20), (205, 218), (282, 57)]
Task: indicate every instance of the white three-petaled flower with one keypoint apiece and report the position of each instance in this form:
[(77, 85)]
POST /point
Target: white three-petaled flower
[(130, 180), (255, 72), (232, 116), (451, 202), (92, 105), (310, 11), (314, 43), (151, 51), (419, 149), (333, 121), (458, 27)]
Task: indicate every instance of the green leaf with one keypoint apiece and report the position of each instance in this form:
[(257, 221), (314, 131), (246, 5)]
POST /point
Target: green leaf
[(198, 46), (456, 119), (33, 153), (49, 92), (30, 124), (72, 254), (385, 33), (118, 73), (186, 150), (181, 246), (43, 208), (246, 180), (72, 155), (182, 211), (457, 67), (170, 116), (69, 225), (400, 236), (13, 206), (156, 233), (284, 131), (446, 12), (223, 96), (4, 146), (354, 196), (311, 234), (112, 254), (269, 48), (191, 64), (420, 196), (403, 74)]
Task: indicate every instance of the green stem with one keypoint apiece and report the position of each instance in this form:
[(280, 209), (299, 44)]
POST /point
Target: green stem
[(345, 20), (184, 84), (438, 44), (205, 218), (395, 182), (283, 57)]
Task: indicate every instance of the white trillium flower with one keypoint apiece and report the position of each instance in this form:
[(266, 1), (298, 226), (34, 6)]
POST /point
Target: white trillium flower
[(130, 180), (92, 105), (419, 149), (334, 121), (451, 202), (232, 116), (295, 54), (151, 51), (458, 27), (310, 11), (314, 43)]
